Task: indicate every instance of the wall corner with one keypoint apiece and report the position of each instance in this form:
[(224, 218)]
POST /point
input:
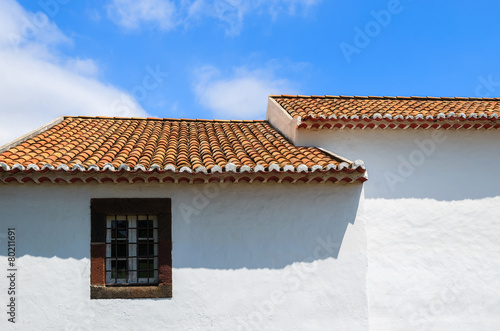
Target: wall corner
[(281, 120)]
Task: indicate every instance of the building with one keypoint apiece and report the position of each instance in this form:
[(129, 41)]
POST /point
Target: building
[(200, 224)]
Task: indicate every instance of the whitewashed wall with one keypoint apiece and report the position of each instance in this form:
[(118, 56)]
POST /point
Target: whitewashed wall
[(432, 215), (249, 257)]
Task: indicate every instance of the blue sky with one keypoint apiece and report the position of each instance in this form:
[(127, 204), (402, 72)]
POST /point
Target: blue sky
[(222, 58)]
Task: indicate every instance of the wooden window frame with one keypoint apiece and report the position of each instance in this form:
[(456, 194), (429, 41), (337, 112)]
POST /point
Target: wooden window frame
[(162, 207)]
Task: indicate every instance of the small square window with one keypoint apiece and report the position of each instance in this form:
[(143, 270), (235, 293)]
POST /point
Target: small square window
[(131, 248)]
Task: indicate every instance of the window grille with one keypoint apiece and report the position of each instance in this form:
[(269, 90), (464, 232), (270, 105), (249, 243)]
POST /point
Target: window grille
[(131, 249)]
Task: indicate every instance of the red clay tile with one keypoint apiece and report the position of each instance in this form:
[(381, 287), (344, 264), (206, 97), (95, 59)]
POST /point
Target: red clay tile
[(190, 143), (315, 106)]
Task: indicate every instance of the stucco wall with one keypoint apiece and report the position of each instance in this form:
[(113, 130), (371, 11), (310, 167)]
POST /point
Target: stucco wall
[(281, 120), (432, 215), (245, 256)]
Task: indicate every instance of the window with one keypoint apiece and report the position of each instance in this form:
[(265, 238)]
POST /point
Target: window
[(131, 248)]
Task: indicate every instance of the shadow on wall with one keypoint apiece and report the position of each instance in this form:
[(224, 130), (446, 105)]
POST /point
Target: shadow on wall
[(249, 226), (266, 226), (49, 220)]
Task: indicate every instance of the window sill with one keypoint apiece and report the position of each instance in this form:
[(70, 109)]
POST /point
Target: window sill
[(131, 292)]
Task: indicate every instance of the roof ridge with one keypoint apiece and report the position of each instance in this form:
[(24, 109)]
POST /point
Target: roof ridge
[(430, 98), (163, 119)]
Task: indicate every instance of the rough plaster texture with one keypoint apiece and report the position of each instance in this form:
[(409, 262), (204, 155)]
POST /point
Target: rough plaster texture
[(245, 257), (433, 265), (434, 164), (432, 214)]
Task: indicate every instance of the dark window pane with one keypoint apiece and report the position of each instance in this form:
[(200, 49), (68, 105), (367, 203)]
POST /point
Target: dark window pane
[(113, 269), (143, 265), (143, 233), (142, 249), (122, 265), (122, 234), (122, 250), (122, 273), (119, 269), (146, 268), (119, 250), (145, 224), (119, 224)]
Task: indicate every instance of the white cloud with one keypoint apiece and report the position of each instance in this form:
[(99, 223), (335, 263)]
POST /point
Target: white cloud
[(20, 28), (167, 14), (38, 84), (291, 7), (132, 13), (84, 67), (241, 95)]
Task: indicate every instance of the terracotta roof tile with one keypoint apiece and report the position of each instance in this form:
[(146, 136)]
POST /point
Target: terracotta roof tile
[(332, 107), (165, 143)]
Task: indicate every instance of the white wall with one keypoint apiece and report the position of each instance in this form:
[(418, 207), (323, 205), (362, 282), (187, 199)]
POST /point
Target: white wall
[(432, 215), (436, 164), (433, 265), (281, 120), (250, 256)]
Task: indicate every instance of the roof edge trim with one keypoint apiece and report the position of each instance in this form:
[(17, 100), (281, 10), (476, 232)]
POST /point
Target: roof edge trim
[(386, 97), (346, 175), (164, 119), (335, 156)]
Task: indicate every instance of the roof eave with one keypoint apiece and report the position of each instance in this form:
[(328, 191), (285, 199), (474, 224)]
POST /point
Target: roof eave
[(345, 175)]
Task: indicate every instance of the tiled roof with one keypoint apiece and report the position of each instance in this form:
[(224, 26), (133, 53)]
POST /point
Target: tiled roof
[(410, 109), (203, 147)]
